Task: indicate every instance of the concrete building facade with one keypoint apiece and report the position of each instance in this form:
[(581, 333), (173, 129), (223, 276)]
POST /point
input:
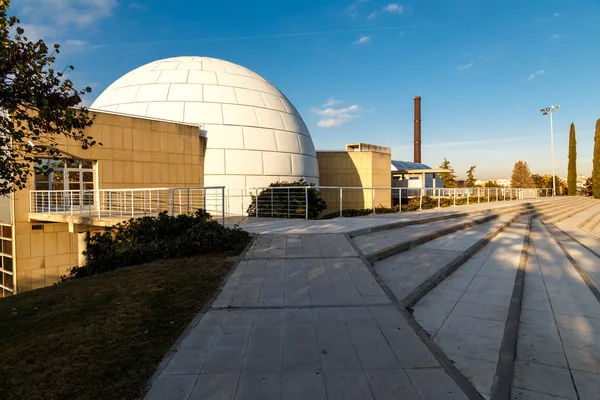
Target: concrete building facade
[(360, 166), (135, 153)]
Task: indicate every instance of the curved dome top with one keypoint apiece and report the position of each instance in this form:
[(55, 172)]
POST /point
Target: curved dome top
[(252, 128), (173, 89)]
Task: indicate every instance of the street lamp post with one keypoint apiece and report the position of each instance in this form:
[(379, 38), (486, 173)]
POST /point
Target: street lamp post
[(546, 111)]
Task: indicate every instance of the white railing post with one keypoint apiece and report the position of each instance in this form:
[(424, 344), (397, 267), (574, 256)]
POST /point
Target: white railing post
[(341, 201), (180, 202), (223, 205), (439, 198), (306, 202), (188, 201), (455, 197), (132, 205), (272, 203), (399, 199), (421, 199), (373, 200), (468, 195), (172, 202), (478, 195)]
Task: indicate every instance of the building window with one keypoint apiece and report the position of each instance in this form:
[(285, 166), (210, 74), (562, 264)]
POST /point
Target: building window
[(6, 261), (66, 175), (69, 185)]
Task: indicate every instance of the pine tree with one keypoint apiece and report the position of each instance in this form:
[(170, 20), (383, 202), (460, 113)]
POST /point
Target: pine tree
[(470, 182), (596, 163), (572, 171), (521, 176), (448, 178)]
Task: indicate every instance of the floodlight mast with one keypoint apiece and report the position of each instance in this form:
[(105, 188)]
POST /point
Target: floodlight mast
[(545, 111)]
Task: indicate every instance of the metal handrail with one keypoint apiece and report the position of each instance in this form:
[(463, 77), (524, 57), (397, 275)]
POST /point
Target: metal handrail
[(134, 202)]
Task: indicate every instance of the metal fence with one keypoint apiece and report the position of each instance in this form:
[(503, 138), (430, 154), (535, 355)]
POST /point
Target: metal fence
[(128, 203), (291, 202)]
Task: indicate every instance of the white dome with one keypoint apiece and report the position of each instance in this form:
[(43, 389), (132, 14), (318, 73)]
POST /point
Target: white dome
[(255, 136)]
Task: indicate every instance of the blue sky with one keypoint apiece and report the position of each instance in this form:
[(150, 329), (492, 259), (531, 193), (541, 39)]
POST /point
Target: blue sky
[(484, 69)]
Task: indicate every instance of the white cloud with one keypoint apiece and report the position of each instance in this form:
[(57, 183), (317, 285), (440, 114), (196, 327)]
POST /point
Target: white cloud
[(70, 46), (352, 8), (330, 117), (536, 73), (138, 7), (556, 15), (332, 102), (55, 17), (466, 66), (556, 36), (394, 8), (485, 57), (363, 40)]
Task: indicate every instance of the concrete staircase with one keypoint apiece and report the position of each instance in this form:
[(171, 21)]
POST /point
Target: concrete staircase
[(462, 277)]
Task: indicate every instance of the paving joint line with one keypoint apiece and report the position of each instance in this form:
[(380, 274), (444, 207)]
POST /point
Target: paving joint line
[(299, 307), (462, 382), (299, 258), (504, 374)]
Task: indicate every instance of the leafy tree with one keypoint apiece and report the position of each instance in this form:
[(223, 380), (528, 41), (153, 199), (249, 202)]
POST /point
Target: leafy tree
[(491, 184), (539, 181), (572, 170), (587, 188), (521, 176), (596, 163), (448, 178), (470, 182), (36, 105)]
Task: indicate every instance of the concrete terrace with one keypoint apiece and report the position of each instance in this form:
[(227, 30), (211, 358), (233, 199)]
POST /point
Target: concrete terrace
[(495, 300)]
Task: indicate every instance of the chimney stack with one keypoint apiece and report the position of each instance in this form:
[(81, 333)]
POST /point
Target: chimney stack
[(417, 144)]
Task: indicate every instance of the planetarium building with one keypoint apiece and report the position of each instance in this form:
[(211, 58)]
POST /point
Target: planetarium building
[(255, 136)]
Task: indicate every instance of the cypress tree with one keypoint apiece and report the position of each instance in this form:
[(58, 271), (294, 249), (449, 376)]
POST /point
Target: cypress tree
[(596, 163), (572, 171)]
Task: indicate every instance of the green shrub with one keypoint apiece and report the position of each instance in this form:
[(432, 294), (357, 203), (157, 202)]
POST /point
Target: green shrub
[(287, 204), (146, 239)]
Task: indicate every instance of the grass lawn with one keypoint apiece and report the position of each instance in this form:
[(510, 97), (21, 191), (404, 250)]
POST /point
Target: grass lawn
[(101, 337)]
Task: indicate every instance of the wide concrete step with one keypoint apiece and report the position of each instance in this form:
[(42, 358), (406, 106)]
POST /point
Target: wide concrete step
[(413, 273), (466, 314), (385, 243), (404, 219), (592, 220), (573, 208)]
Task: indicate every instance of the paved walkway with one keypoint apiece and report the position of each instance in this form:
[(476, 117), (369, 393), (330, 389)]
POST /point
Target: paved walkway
[(303, 318)]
